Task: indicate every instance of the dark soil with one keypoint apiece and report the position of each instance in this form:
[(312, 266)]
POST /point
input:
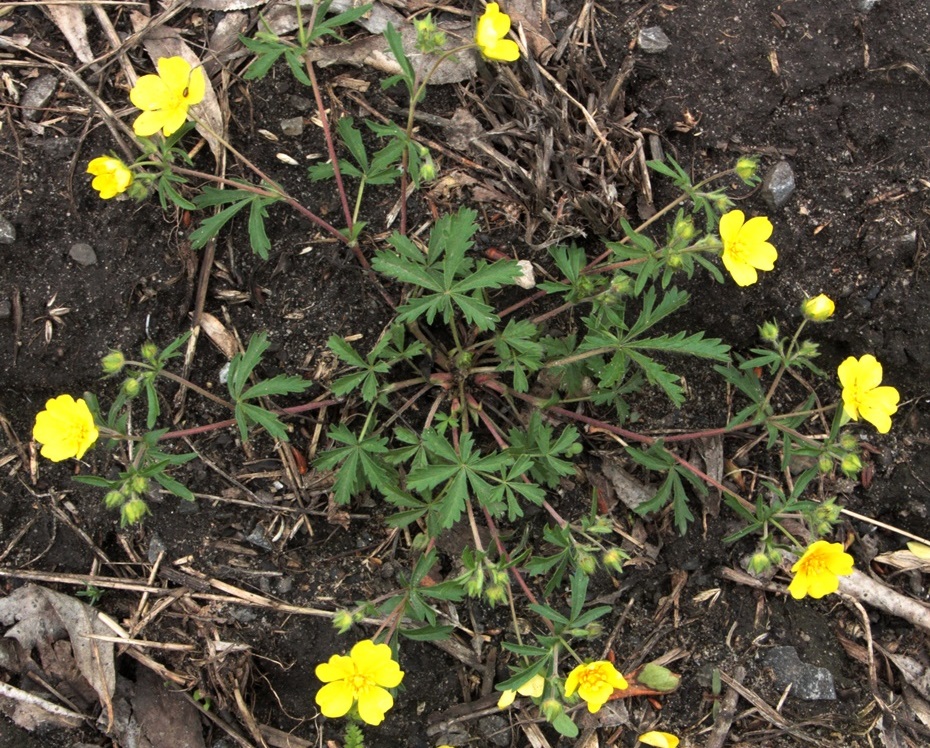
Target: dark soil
[(843, 96)]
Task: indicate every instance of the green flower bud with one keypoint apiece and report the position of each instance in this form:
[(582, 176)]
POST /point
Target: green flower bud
[(825, 463), (131, 387), (722, 203), (114, 499), (613, 559), (551, 709), (113, 362), (594, 630), (849, 442), (674, 261), (133, 512), (342, 621), (149, 351), (498, 576), (495, 594), (746, 167), (759, 563), (775, 555), (138, 485), (808, 349), (586, 562), (427, 169), (769, 332), (684, 228), (851, 465), (475, 584)]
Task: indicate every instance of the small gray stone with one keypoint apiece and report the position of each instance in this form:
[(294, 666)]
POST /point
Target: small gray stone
[(37, 95), (653, 40), (300, 103), (6, 308), (83, 254), (495, 729), (778, 185), (7, 231), (292, 126), (866, 5), (808, 682)]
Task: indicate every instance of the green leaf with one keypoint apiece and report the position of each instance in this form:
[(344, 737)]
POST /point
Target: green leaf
[(658, 678), (427, 633), (243, 364), (178, 489), (279, 385), (258, 238)]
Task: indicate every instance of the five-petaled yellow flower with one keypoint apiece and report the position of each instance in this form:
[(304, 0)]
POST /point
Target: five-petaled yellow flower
[(595, 683), (111, 176), (659, 739), (65, 428), (533, 688), (817, 572), (745, 248), (862, 395), (165, 98), (489, 36), (362, 677), (818, 309)]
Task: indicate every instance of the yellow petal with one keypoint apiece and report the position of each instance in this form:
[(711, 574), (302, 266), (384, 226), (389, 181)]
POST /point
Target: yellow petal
[(756, 229), (148, 123), (534, 687), (743, 274), (798, 587), (373, 702), (507, 698), (150, 92), (846, 371), (730, 224), (571, 683), (919, 549), (503, 50), (335, 699), (387, 674), (499, 21), (762, 255), (869, 372), (173, 119), (659, 739), (175, 72), (339, 667), (196, 87)]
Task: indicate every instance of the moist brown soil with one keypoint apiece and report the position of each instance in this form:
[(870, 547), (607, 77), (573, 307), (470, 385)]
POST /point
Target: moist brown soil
[(843, 96)]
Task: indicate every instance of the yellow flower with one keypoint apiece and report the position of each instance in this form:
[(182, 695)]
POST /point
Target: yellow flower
[(819, 308), (862, 395), (534, 688), (659, 739), (111, 176), (489, 36), (595, 683), (745, 248), (364, 677), (165, 98), (817, 572), (65, 428)]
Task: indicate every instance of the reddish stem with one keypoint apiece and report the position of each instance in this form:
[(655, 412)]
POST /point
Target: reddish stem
[(231, 422)]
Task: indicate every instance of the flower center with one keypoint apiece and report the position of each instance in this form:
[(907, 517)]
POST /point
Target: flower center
[(359, 682)]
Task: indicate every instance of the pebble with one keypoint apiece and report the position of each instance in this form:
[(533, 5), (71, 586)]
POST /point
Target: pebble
[(808, 682), (37, 96), (292, 126), (778, 184), (83, 254), (7, 231), (653, 40), (866, 5), (6, 308), (300, 103), (495, 730)]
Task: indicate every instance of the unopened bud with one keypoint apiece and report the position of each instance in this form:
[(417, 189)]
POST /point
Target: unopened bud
[(495, 594), (138, 484), (131, 387), (851, 465), (674, 261), (342, 621), (113, 362), (684, 229), (613, 559), (149, 351), (849, 442), (746, 167), (114, 499), (133, 511), (552, 709), (808, 349), (818, 309), (825, 463), (427, 169), (586, 562), (769, 332), (759, 563)]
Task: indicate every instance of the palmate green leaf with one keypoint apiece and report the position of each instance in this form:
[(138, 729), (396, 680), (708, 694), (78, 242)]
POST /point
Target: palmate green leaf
[(267, 49), (352, 139), (279, 385), (451, 239), (247, 414), (360, 464), (243, 364), (328, 26), (401, 268), (258, 237)]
